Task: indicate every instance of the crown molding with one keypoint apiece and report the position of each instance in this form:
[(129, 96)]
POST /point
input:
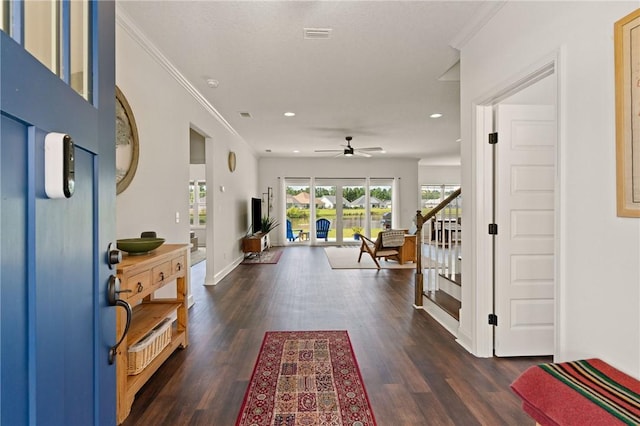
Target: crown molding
[(487, 11), (127, 24)]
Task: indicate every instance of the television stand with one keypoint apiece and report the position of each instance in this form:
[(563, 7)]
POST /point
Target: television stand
[(255, 243)]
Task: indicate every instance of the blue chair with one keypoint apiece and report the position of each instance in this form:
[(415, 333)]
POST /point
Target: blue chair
[(290, 235), (322, 228)]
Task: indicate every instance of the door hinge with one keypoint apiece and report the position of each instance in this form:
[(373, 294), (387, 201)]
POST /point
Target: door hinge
[(493, 319), (493, 138), (493, 229)]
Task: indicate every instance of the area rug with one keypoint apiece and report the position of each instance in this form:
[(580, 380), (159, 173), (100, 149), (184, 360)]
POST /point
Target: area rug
[(347, 258), (269, 256), (306, 378)]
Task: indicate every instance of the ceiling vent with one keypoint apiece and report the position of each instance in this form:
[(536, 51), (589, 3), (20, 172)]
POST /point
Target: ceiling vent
[(317, 33), (245, 115)]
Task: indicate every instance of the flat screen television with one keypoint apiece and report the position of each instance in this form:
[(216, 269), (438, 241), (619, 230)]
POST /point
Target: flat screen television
[(256, 215)]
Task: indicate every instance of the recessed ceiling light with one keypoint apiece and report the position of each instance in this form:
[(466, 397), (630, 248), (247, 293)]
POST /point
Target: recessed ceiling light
[(295, 151), (289, 114), (458, 140), (436, 115), (213, 83)]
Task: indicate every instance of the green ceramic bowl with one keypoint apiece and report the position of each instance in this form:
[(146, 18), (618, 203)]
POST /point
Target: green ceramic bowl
[(135, 246)]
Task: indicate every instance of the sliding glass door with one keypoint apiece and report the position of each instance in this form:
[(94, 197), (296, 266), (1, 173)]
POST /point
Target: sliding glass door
[(380, 205), (343, 202), (354, 212), (298, 210), (327, 207), (350, 207)]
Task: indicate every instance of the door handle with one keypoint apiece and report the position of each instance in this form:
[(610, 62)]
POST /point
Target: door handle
[(113, 290)]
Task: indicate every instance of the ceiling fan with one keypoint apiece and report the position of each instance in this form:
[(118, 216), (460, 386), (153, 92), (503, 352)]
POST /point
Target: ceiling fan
[(350, 151)]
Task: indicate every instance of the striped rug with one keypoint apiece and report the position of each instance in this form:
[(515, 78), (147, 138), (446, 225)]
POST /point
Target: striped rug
[(585, 392)]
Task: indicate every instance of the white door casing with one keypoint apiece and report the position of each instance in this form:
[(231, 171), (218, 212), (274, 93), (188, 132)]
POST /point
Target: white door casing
[(525, 212)]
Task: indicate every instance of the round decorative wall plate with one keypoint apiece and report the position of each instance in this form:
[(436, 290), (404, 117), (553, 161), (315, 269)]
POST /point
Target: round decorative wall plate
[(126, 143), (232, 161)]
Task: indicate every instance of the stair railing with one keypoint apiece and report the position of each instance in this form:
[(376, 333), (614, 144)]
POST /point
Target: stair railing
[(443, 238)]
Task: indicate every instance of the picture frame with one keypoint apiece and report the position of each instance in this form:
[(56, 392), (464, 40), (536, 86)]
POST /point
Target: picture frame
[(627, 82), (126, 143)]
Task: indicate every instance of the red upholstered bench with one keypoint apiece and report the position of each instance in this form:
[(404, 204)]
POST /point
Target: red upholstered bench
[(587, 392)]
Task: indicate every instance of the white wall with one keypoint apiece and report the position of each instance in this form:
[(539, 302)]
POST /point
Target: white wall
[(448, 175), (164, 113), (598, 294), (271, 169)]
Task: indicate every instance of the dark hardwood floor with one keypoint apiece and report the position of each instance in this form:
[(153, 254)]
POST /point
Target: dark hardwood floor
[(414, 371)]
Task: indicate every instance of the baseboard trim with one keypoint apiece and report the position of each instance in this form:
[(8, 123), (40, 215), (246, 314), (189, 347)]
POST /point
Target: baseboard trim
[(215, 279), (464, 341)]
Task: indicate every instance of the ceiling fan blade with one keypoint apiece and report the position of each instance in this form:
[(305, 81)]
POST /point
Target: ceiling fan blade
[(350, 150)]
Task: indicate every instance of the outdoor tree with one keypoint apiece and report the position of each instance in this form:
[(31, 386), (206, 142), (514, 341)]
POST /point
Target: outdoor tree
[(382, 194)]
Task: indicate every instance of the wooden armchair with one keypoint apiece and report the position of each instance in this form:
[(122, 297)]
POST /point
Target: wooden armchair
[(387, 245)]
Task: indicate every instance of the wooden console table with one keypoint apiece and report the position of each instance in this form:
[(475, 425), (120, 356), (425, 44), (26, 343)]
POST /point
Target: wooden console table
[(140, 277)]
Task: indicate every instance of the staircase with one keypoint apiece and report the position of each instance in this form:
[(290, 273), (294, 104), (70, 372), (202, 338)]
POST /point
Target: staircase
[(439, 288), (448, 296)]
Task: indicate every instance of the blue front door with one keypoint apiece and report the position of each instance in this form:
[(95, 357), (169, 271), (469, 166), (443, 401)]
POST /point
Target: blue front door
[(55, 325)]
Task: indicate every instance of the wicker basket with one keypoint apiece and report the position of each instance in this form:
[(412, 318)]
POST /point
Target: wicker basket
[(143, 352)]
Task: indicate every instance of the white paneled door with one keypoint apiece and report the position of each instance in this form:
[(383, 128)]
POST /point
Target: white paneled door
[(525, 211)]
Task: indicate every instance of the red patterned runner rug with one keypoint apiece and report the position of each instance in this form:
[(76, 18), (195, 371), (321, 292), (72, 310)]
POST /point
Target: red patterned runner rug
[(306, 378)]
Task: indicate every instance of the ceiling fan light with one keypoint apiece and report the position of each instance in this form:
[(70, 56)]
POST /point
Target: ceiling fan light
[(348, 152)]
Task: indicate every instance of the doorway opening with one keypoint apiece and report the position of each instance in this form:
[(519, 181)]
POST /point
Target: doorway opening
[(197, 197), (517, 128)]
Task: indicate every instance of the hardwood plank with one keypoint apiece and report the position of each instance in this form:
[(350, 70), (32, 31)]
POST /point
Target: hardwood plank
[(414, 371)]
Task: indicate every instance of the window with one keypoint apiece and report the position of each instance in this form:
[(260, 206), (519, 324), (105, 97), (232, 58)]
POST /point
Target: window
[(353, 217), (297, 205), (58, 34), (4, 16), (327, 190), (380, 192), (80, 49), (432, 195), (197, 203)]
